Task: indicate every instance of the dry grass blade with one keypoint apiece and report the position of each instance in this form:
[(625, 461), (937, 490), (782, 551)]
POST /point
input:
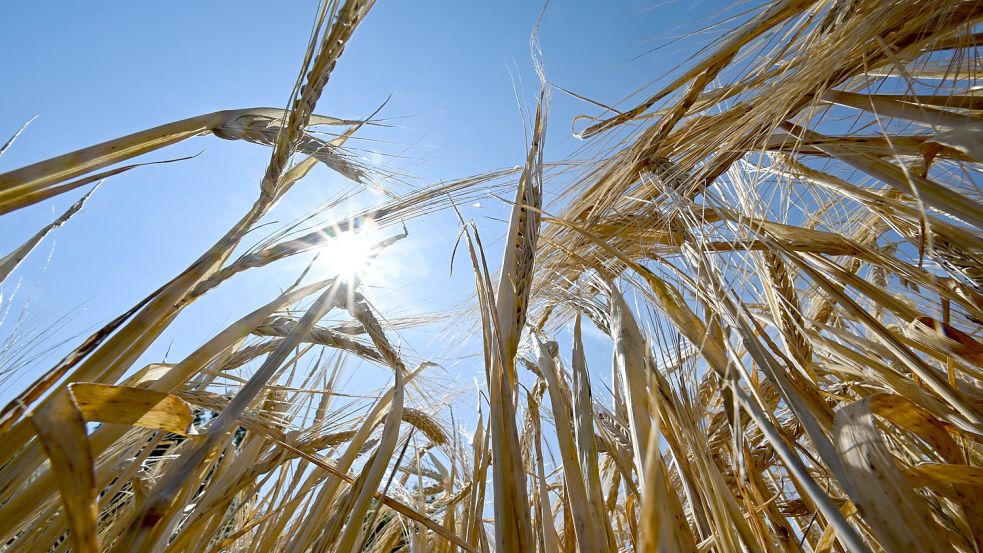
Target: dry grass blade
[(20, 130), (61, 429), (632, 371), (879, 490), (28, 185), (10, 262), (583, 417), (157, 508)]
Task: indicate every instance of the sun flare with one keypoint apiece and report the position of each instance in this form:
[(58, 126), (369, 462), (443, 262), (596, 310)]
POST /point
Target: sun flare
[(348, 255)]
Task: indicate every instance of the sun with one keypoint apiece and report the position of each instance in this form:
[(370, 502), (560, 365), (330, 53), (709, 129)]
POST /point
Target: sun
[(347, 255)]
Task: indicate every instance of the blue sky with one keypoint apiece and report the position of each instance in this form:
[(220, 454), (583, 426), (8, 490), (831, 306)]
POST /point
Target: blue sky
[(96, 71)]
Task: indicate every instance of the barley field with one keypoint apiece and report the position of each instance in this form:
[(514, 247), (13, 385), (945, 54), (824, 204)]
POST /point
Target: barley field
[(777, 255)]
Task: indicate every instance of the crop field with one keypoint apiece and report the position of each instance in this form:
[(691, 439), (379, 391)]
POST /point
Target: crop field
[(776, 254)]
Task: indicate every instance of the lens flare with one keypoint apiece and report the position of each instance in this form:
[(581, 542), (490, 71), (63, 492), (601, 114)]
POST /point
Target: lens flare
[(347, 256)]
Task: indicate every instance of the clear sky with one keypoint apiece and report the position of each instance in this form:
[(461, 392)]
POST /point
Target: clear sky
[(96, 71)]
